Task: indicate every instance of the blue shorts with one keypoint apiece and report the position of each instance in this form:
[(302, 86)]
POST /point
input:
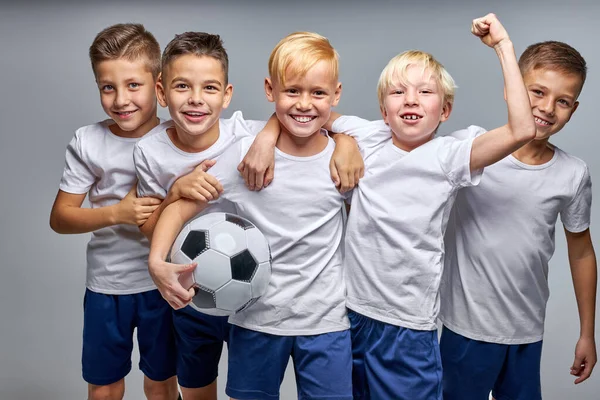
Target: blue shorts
[(257, 362), (108, 324), (392, 362), (472, 368), (199, 339)]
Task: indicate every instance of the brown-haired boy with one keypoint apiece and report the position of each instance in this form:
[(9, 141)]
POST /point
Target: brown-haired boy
[(120, 294), (495, 287)]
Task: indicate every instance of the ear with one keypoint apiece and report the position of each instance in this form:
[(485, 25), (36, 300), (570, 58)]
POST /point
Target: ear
[(160, 91), (446, 111), (227, 95), (269, 90), (384, 114), (338, 93)]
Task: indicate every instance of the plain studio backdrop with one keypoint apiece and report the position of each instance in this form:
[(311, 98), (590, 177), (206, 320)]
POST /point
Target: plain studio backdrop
[(48, 91)]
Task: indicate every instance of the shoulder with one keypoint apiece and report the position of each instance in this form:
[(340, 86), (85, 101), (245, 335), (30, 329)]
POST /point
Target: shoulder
[(155, 138), (469, 132), (93, 130)]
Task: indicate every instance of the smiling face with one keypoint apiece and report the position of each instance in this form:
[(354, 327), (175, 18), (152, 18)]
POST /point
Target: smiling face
[(414, 107), (553, 97), (195, 91), (127, 95), (303, 103)]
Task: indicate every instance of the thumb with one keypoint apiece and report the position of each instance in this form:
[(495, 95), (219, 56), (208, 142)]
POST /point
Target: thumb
[(206, 164), (576, 367), (183, 268)]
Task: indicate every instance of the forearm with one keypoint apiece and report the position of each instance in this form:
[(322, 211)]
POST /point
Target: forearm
[(169, 225), (329, 124), (520, 119), (148, 227), (585, 275), (71, 219)]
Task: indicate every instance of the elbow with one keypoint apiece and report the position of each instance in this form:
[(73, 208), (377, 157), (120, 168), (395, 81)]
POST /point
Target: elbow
[(55, 224), (524, 132)]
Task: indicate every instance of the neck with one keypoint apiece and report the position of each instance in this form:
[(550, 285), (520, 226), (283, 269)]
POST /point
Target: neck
[(301, 146), (193, 143), (136, 133), (535, 152), (410, 146)]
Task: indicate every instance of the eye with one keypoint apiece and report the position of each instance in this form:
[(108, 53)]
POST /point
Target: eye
[(291, 91), (106, 88), (181, 86), (134, 85), (426, 91), (537, 92), (320, 93), (397, 91), (211, 88), (564, 102)]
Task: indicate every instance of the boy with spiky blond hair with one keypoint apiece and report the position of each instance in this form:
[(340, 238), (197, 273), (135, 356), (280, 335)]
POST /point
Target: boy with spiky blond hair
[(394, 248), (495, 285), (303, 312), (120, 294)]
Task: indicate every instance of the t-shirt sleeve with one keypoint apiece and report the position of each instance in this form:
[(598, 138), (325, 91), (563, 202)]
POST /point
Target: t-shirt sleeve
[(576, 215), (245, 127), (368, 134), (455, 159), (147, 185), (470, 132), (78, 176)]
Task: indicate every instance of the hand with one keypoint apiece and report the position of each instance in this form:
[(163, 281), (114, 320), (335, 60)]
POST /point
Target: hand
[(166, 277), (257, 167), (346, 165), (198, 185), (585, 359), (135, 211), (489, 30)]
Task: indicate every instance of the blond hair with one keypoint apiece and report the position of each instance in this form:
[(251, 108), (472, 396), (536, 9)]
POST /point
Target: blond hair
[(555, 56), (395, 72), (298, 52), (129, 41)]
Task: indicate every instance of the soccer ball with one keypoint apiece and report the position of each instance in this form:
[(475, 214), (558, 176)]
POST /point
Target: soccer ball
[(234, 262)]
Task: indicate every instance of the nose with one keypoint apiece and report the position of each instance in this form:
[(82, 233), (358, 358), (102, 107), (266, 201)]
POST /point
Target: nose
[(196, 97), (121, 99), (411, 98), (546, 105), (304, 102)]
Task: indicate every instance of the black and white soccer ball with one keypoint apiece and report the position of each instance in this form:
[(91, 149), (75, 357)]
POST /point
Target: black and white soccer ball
[(234, 262)]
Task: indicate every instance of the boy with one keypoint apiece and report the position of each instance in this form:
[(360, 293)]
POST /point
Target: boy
[(495, 287), (120, 295), (302, 314), (394, 238)]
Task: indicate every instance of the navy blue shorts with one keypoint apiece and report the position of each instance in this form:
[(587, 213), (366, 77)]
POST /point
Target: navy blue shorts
[(257, 362), (472, 368), (392, 362), (199, 339), (108, 324)]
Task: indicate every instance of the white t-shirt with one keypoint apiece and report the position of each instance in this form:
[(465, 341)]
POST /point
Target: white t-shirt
[(394, 249), (300, 214), (100, 163), (499, 242)]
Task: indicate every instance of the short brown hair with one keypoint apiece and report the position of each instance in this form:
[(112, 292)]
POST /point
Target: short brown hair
[(198, 44), (552, 55), (129, 41), (301, 50)]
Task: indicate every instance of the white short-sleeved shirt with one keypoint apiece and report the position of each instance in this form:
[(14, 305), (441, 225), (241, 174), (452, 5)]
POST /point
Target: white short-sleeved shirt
[(300, 214), (394, 249), (499, 242), (100, 163)]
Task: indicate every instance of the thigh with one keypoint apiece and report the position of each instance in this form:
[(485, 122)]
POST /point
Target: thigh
[(199, 339), (323, 365), (470, 366), (156, 338), (363, 331), (520, 375), (257, 363), (108, 324), (404, 364)]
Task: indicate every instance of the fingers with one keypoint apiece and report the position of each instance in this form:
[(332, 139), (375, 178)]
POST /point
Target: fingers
[(585, 373), (149, 201), (269, 175), (206, 165), (251, 179), (241, 167), (335, 176)]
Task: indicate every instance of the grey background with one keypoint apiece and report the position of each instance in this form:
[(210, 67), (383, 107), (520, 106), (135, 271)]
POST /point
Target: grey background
[(48, 91)]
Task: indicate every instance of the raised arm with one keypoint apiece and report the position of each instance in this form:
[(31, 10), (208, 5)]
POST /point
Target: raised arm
[(582, 260), (67, 215), (164, 274), (520, 129)]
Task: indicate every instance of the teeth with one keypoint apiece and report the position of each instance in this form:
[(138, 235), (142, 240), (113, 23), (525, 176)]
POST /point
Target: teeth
[(541, 121), (194, 114), (412, 116), (303, 119)]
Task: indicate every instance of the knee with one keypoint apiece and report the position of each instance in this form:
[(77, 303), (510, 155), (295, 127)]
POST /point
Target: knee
[(114, 391), (161, 390)]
